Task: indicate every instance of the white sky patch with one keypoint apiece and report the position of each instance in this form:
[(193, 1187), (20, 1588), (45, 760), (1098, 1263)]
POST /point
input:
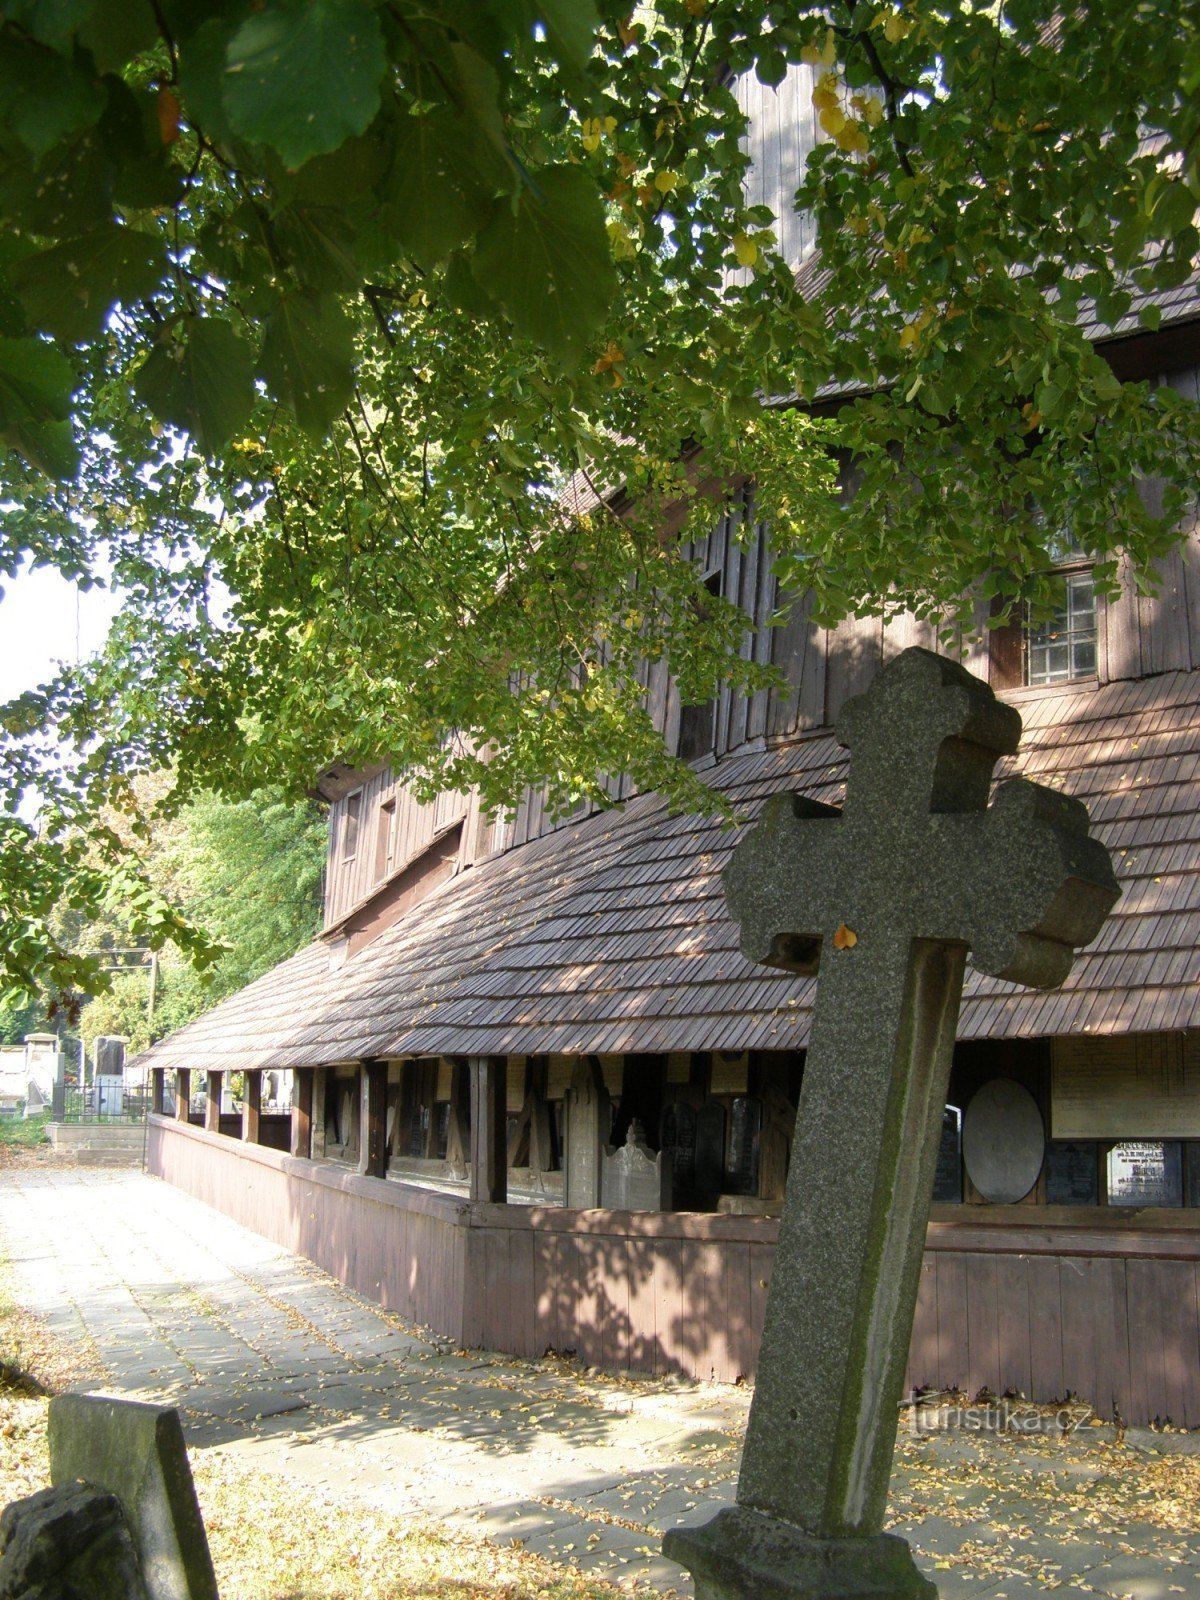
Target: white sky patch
[(45, 622)]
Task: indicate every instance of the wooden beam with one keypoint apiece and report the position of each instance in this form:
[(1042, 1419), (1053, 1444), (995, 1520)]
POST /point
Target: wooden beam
[(302, 1105), (183, 1093), (489, 1108), (251, 1107), (212, 1106), (372, 1132), (320, 1083), (158, 1089)]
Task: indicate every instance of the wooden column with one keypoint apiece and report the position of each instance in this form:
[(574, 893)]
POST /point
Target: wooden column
[(158, 1089), (317, 1146), (251, 1107), (183, 1093), (302, 1105), (372, 1122), (212, 1106), (489, 1106)]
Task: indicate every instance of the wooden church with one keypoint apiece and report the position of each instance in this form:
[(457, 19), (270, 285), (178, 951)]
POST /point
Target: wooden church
[(539, 1100)]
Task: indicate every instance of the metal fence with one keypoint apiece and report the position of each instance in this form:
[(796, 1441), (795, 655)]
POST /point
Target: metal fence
[(100, 1102)]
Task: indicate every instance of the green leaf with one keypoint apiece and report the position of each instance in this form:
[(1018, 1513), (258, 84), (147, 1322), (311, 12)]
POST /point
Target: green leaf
[(202, 380), (319, 245), (36, 382), (307, 358), (202, 79), (547, 261), (571, 28), (303, 75), (428, 209), (51, 21), (45, 98), (69, 289), (115, 31)]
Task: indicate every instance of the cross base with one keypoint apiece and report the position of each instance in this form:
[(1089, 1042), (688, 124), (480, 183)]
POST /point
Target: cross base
[(744, 1554)]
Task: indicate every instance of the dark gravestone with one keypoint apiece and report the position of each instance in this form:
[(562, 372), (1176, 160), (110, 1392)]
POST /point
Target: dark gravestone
[(1004, 1141), (745, 1123), (710, 1156), (947, 1175), (1145, 1172), (679, 1141), (108, 1055), (137, 1452), (1192, 1166), (887, 895), (1072, 1173), (587, 1116)]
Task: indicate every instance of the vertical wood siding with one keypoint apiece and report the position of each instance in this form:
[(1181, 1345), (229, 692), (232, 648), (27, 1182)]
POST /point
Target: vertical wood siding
[(1110, 1315), (783, 131)]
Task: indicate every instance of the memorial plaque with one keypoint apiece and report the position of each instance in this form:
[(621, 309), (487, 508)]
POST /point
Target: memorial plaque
[(1003, 1141), (1139, 1086), (441, 1130), (587, 1114), (679, 1140), (1192, 1170), (1072, 1173), (710, 1155), (745, 1121), (1146, 1172), (633, 1178), (947, 1177)]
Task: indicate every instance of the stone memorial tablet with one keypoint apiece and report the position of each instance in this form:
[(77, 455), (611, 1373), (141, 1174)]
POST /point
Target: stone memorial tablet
[(947, 1176), (587, 1114), (634, 1178), (745, 1121), (1003, 1141), (1145, 1172), (1191, 1161), (679, 1141), (1072, 1173), (710, 1155)]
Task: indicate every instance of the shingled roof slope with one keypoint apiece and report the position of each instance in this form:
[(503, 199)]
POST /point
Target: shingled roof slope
[(611, 935)]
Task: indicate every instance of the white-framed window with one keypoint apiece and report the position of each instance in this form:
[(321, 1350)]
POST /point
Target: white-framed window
[(1062, 647)]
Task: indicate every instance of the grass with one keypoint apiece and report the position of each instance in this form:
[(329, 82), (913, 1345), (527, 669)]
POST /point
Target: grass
[(21, 1133)]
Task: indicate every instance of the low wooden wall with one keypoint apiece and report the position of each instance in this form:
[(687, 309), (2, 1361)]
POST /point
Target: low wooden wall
[(402, 1247), (1096, 1304)]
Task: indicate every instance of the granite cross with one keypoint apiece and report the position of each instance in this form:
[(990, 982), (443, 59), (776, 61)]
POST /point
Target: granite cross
[(888, 895)]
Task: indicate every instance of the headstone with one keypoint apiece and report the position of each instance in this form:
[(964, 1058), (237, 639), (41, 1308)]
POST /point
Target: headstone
[(1004, 1141), (633, 1178), (679, 1141), (1072, 1173), (1145, 1172), (70, 1542), (136, 1451), (110, 1096), (108, 1057), (1192, 1166), (709, 1173), (887, 896), (947, 1174), (745, 1122), (587, 1114)]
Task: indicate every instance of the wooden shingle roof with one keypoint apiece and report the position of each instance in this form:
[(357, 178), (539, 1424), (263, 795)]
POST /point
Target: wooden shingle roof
[(611, 935)]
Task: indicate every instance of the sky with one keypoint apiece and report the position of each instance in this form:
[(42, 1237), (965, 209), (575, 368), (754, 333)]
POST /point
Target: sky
[(45, 621)]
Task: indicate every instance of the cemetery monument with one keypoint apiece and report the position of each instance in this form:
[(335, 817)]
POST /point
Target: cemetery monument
[(888, 896)]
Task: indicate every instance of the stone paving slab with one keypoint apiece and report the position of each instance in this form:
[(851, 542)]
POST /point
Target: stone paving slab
[(283, 1370)]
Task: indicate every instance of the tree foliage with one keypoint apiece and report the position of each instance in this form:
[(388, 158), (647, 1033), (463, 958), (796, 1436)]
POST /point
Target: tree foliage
[(310, 309)]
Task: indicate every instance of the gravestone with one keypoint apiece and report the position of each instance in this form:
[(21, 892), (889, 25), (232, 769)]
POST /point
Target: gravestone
[(70, 1542), (887, 896), (1145, 1172), (745, 1122), (679, 1141), (1004, 1141), (709, 1171), (587, 1122), (633, 1178), (947, 1174), (1072, 1174), (108, 1057), (137, 1453)]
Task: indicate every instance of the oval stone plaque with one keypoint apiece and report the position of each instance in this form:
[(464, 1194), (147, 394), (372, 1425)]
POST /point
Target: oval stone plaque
[(1003, 1141)]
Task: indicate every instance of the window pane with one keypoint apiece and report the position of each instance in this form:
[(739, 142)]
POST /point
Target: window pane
[(1063, 647)]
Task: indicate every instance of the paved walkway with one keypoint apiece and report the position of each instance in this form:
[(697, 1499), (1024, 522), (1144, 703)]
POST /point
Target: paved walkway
[(278, 1366)]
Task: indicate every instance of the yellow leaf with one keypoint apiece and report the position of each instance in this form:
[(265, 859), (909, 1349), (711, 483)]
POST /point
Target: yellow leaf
[(666, 180), (845, 938), (832, 119), (896, 27), (745, 249)]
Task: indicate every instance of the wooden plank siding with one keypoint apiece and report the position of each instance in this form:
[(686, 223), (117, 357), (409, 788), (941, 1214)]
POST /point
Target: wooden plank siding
[(1106, 1309)]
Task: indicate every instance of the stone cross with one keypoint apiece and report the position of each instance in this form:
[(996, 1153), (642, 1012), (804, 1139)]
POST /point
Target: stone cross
[(888, 895)]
